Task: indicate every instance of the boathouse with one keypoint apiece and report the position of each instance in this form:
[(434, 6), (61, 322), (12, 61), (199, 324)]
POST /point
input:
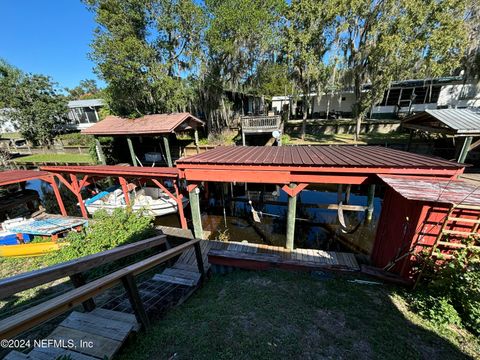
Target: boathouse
[(297, 167), (145, 133)]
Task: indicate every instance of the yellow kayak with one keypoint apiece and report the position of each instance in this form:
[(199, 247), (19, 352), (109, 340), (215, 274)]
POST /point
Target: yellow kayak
[(33, 249)]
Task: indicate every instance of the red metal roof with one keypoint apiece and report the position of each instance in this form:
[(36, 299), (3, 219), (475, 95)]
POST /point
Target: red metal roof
[(317, 156), (436, 190), (148, 124), (18, 176), (113, 170)]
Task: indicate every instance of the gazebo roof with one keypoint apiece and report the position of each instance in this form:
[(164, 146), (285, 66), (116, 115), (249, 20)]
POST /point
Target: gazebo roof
[(147, 125), (457, 122)]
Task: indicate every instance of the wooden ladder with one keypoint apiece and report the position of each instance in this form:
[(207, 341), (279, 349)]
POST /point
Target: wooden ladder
[(442, 239)]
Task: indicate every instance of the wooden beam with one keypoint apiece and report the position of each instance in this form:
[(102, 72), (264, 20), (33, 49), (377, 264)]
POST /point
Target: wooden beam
[(78, 280), (294, 191), (198, 256), (474, 145), (291, 214), (100, 154), (465, 149), (131, 289), (124, 185), (197, 142), (78, 194), (30, 279), (196, 214), (132, 152), (181, 212), (35, 315), (370, 202), (58, 196), (167, 151)]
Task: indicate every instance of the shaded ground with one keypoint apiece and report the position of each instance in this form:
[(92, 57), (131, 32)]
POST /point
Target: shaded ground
[(278, 315)]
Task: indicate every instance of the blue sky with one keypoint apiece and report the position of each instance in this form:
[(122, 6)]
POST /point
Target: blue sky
[(49, 37)]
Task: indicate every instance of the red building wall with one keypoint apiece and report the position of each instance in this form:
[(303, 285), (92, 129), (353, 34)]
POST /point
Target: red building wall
[(410, 226)]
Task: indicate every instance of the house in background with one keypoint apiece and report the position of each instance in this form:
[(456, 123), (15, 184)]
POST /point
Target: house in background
[(83, 113), (401, 99)]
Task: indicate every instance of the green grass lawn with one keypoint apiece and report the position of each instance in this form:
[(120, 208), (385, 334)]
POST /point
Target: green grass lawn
[(59, 158), (287, 315)]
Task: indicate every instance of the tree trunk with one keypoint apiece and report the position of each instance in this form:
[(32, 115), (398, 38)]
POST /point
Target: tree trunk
[(304, 117)]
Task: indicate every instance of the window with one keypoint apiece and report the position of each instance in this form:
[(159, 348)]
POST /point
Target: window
[(393, 97)]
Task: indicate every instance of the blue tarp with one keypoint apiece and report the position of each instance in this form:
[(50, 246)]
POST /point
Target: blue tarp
[(48, 226)]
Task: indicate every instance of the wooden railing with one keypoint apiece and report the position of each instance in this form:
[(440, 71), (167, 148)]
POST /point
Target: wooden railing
[(261, 123), (84, 292)]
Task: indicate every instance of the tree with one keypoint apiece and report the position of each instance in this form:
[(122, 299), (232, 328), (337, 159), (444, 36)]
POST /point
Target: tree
[(242, 39), (307, 39), (142, 49), (383, 40), (86, 88), (39, 109)]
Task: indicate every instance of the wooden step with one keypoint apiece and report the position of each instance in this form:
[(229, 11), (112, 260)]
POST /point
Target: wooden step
[(188, 267), (467, 207), (457, 245), (174, 280), (48, 353), (101, 347), (456, 232), (195, 276), (88, 322), (476, 221), (117, 315)]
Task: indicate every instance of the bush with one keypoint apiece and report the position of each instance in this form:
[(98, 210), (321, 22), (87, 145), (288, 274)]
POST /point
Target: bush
[(449, 293), (76, 139), (103, 233)]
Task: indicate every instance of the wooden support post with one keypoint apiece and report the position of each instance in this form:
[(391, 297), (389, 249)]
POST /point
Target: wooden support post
[(410, 137), (347, 194), (58, 196), (197, 142), (135, 300), (196, 215), (167, 151), (181, 213), (78, 194), (243, 138), (124, 185), (77, 281), (132, 152), (198, 255), (339, 193), (370, 202), (465, 149), (100, 154), (292, 210)]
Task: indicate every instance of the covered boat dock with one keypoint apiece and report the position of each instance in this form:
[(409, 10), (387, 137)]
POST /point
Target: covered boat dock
[(88, 173), (296, 167), (154, 125)]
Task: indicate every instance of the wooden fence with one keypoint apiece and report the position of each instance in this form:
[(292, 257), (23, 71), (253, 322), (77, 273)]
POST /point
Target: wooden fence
[(84, 292)]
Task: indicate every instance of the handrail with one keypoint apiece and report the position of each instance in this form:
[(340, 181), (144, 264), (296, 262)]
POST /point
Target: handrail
[(24, 281), (18, 323)]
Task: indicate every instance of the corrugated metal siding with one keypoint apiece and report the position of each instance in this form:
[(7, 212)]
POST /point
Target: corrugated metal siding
[(317, 156), (434, 190), (462, 120)]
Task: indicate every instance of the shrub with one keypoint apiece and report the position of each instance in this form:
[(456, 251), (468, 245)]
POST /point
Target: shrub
[(103, 233), (76, 139), (449, 293)]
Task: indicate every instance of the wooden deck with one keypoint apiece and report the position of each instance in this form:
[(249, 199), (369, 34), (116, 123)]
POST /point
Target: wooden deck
[(249, 256)]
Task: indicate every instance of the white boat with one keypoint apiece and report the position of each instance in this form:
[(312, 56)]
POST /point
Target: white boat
[(149, 200)]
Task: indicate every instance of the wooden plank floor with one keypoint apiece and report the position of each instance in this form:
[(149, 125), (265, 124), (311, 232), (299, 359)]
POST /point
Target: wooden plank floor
[(106, 330), (249, 255)]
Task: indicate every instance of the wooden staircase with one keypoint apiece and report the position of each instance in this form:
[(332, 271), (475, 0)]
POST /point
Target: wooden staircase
[(85, 336)]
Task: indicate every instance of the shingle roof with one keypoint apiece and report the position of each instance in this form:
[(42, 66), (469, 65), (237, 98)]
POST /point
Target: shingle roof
[(460, 121), (148, 124), (317, 156)]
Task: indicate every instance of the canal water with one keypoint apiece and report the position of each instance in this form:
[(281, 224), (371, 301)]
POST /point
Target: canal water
[(228, 214)]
